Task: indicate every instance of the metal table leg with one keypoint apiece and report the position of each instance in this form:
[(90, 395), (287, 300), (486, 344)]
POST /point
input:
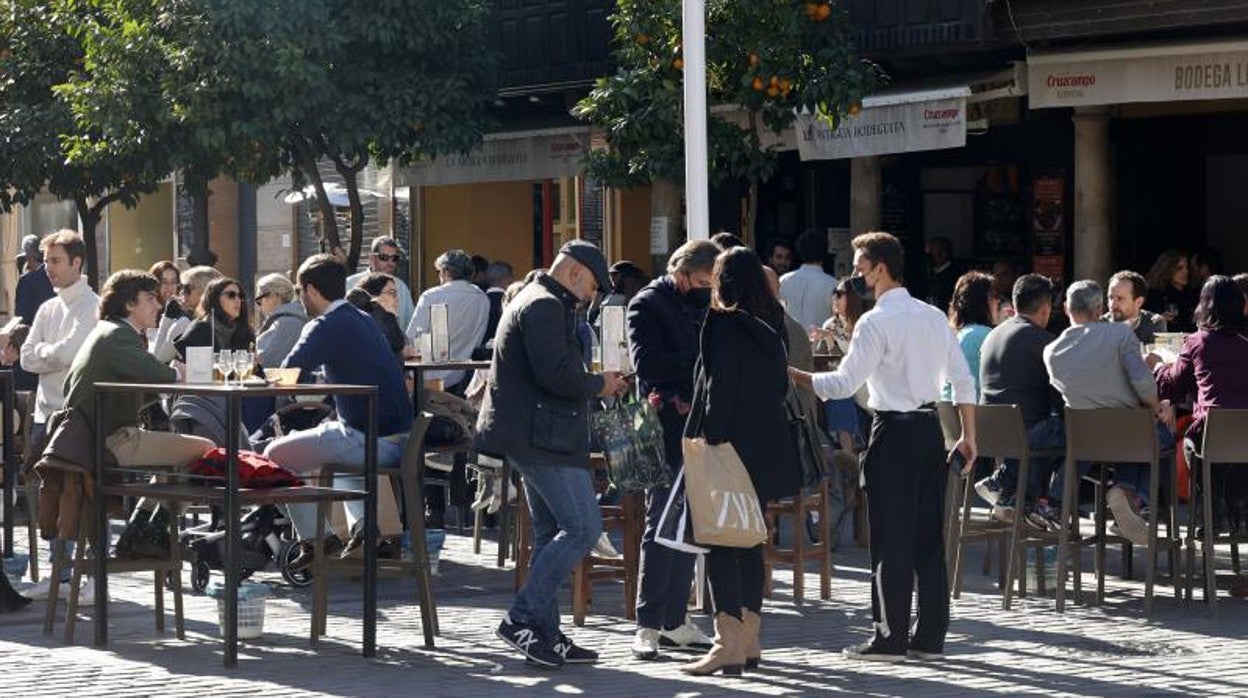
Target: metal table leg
[(370, 530), (102, 543), (231, 530)]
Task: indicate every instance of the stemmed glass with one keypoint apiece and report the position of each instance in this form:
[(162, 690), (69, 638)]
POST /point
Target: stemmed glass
[(225, 364), (243, 365)]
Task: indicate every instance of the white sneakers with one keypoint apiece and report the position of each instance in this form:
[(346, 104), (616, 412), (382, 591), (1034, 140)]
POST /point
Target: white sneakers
[(646, 644), (39, 592), (1132, 526), (685, 637), (604, 548)]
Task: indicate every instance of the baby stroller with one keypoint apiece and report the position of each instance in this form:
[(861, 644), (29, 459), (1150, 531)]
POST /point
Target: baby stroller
[(268, 545)]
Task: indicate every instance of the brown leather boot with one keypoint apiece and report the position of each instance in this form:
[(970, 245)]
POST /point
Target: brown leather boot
[(728, 652), (751, 623)]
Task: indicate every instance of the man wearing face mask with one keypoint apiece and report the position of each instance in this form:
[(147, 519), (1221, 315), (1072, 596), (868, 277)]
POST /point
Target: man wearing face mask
[(535, 414), (664, 324), (905, 351)]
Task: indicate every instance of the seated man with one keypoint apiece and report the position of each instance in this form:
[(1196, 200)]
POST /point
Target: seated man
[(1096, 365), (114, 351), (346, 343), (1011, 372), (1126, 295)]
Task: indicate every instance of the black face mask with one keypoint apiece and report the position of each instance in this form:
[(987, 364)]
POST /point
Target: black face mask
[(699, 297), (858, 284)]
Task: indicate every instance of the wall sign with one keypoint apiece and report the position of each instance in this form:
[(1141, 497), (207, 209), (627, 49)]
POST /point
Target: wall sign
[(885, 127)]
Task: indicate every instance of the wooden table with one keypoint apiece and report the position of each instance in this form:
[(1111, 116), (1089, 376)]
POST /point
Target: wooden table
[(230, 497), (11, 458), (418, 369)]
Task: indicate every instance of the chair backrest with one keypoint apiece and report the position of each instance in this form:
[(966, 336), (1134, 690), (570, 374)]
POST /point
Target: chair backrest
[(1000, 432), (950, 423), (415, 439), (1117, 435), (1226, 436)]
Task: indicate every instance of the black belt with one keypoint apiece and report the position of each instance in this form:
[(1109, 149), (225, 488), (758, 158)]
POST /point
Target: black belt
[(925, 410)]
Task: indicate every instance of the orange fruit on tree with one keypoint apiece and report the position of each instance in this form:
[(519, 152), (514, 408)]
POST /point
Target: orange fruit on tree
[(785, 84), (773, 91), (758, 84), (678, 64), (754, 60), (811, 9), (822, 12), (643, 39), (854, 109), (774, 81)]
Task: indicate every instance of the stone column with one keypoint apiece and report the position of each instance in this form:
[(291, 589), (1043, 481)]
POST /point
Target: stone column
[(864, 195), (1093, 246)]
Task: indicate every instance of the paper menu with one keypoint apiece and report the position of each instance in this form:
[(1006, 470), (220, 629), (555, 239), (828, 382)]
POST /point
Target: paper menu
[(615, 355), (439, 328), (199, 364)]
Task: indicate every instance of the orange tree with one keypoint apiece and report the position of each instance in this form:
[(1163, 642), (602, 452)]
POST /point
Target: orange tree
[(767, 60)]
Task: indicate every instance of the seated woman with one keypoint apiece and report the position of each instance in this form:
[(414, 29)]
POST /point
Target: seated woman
[(284, 318), (222, 323), (378, 295), (1211, 366)]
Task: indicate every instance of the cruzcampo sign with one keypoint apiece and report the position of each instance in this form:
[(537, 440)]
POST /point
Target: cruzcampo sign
[(881, 129), (1172, 73)]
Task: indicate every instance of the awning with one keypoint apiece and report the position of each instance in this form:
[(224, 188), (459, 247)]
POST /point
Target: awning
[(890, 122), (1156, 73), (505, 157)]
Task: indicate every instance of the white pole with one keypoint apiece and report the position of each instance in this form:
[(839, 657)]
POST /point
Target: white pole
[(693, 38)]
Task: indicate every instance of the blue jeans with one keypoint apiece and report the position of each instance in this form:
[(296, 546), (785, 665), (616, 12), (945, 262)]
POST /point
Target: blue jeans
[(330, 442), (566, 524), (1133, 476), (1045, 434)]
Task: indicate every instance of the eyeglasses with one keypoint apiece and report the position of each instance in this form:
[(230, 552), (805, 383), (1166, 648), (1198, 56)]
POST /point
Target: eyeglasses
[(261, 297), (233, 295), (382, 257), (838, 293), (184, 289)]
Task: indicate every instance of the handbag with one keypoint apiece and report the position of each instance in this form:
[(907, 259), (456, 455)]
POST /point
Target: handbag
[(675, 529), (723, 505), (808, 437), (630, 435)]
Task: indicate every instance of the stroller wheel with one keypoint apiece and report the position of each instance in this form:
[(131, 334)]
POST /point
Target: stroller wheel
[(200, 574), (301, 578)]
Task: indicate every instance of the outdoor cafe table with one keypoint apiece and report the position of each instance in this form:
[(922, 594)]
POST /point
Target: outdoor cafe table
[(11, 458), (230, 497), (419, 368)]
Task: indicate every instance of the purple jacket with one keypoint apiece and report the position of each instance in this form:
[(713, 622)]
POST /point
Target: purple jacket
[(1211, 366)]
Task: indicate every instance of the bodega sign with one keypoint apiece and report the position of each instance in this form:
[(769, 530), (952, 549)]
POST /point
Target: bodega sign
[(886, 125), (1166, 73)]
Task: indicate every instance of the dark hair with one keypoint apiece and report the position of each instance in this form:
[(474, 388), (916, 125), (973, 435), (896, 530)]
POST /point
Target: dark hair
[(855, 305), (970, 304), (375, 282), (1242, 280), (1031, 292), (122, 289), (740, 284), (1161, 275), (943, 244), (158, 270), (812, 246), (70, 241), (1208, 257), (883, 248), (384, 241), (17, 337), (326, 274), (780, 242), (726, 240), (1139, 287), (210, 302), (1221, 307), (480, 264)]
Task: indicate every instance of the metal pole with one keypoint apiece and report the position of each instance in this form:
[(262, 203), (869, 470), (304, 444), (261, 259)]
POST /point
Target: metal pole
[(693, 37)]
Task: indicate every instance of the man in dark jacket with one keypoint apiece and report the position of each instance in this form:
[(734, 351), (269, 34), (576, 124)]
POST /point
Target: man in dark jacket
[(535, 414), (33, 286), (664, 322)]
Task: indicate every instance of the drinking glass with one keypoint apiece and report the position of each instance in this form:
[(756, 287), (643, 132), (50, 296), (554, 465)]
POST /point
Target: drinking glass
[(244, 364), (224, 360)]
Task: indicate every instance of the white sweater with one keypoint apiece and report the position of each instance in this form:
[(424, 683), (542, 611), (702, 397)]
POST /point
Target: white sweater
[(61, 326)]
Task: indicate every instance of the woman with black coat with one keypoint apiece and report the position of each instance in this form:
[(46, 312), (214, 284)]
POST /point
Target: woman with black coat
[(741, 387)]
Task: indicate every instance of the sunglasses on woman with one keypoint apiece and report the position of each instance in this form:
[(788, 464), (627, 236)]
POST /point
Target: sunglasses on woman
[(233, 295), (260, 298), (382, 257)]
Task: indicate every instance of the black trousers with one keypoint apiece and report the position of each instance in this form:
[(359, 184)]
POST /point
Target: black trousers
[(736, 576), (665, 575), (905, 483)]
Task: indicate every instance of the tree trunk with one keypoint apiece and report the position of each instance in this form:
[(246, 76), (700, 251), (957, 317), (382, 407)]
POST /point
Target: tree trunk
[(90, 218), (751, 205), (350, 174), (665, 203), (301, 149)]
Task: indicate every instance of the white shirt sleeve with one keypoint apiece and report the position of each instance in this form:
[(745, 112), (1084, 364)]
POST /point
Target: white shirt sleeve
[(32, 349), (866, 351), (420, 317), (958, 372)]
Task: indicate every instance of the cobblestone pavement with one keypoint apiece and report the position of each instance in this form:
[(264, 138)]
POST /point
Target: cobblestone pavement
[(1029, 650)]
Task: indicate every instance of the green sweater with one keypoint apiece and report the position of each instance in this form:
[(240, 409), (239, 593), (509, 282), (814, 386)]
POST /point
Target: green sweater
[(113, 353)]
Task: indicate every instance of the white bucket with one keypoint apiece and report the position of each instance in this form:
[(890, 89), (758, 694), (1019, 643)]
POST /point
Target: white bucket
[(250, 617)]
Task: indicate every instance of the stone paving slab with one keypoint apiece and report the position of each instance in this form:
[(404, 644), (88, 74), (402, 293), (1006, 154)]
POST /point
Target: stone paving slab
[(1030, 650)]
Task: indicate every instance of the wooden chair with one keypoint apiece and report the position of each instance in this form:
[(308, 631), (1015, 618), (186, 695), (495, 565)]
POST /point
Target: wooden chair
[(1223, 444), (628, 518), (796, 509), (30, 482), (498, 468), (1127, 435), (408, 478)]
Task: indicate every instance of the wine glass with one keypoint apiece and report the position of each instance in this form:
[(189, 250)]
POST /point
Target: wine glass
[(244, 364), (225, 364)]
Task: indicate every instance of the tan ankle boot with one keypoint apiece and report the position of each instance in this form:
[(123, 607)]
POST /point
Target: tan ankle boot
[(727, 654), (751, 624)]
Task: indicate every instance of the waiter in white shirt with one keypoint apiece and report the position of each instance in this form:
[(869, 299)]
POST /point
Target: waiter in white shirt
[(904, 350)]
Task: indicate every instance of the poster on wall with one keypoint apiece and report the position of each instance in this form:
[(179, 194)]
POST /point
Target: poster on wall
[(1052, 266), (1048, 215), (658, 235)]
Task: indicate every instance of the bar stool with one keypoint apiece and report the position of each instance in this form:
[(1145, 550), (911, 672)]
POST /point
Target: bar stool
[(1223, 444), (796, 509)]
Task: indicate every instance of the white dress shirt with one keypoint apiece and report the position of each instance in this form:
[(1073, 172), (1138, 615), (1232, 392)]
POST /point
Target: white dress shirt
[(59, 330), (905, 351), (807, 295), (405, 295), (468, 314)]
